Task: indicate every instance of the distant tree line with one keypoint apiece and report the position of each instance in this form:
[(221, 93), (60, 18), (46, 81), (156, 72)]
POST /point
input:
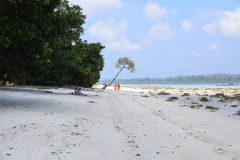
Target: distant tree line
[(212, 78), (40, 40)]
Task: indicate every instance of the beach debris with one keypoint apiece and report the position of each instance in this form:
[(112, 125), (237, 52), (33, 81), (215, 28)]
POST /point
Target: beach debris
[(237, 95), (219, 94), (48, 91), (145, 96), (91, 102), (163, 93), (169, 100), (204, 99), (193, 106), (194, 102), (76, 124), (138, 154), (205, 94), (186, 94), (221, 100), (237, 113), (172, 99), (211, 108), (233, 106)]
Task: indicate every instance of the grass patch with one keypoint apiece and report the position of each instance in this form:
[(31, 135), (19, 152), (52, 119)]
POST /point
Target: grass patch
[(145, 96)]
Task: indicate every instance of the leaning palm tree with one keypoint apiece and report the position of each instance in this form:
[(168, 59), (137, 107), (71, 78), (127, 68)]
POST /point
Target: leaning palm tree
[(124, 62)]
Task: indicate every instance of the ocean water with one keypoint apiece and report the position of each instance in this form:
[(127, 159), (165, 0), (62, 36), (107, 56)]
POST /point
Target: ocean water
[(191, 85)]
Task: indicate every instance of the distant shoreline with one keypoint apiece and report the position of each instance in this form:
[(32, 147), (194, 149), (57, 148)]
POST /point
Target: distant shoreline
[(188, 85)]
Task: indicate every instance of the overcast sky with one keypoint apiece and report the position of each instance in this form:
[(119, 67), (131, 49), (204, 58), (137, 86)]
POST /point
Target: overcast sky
[(164, 37)]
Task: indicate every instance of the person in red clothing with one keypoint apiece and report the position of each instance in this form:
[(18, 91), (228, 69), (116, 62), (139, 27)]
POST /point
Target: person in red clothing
[(115, 86), (118, 86)]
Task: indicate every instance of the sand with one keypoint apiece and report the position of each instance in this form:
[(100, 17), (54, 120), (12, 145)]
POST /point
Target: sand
[(133, 123)]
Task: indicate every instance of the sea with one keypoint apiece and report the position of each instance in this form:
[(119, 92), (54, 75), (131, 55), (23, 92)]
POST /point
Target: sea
[(191, 85)]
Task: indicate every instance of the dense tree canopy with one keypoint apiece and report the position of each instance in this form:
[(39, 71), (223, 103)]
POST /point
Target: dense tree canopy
[(40, 40)]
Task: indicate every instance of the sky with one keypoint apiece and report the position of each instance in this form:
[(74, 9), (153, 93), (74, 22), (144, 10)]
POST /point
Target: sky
[(165, 38)]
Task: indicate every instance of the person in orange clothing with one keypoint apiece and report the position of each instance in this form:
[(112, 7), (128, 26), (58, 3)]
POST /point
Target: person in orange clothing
[(118, 86), (115, 86)]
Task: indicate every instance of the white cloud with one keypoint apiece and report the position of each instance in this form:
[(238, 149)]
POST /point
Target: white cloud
[(91, 7), (187, 25), (195, 53), (114, 35), (217, 54), (154, 12), (206, 14), (180, 52), (148, 59), (210, 28), (161, 31), (108, 30), (147, 42), (174, 12), (213, 46), (228, 24), (124, 45)]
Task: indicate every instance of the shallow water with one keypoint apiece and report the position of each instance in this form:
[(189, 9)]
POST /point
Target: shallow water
[(190, 85)]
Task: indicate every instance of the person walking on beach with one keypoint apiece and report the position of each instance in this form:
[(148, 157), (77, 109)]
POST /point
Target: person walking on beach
[(118, 86), (115, 86)]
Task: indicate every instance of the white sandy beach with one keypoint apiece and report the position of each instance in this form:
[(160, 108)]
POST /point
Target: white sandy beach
[(133, 123)]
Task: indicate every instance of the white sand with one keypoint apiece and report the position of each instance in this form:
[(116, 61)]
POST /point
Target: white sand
[(36, 125)]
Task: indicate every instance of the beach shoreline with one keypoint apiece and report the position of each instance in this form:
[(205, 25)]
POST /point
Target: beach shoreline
[(133, 123)]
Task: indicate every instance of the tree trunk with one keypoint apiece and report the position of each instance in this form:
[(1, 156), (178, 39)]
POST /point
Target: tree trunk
[(116, 76)]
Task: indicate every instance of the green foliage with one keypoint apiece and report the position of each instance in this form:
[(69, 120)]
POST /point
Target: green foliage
[(40, 40), (127, 63)]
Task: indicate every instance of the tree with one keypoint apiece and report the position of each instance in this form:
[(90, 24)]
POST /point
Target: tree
[(124, 62), (40, 40), (25, 30)]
